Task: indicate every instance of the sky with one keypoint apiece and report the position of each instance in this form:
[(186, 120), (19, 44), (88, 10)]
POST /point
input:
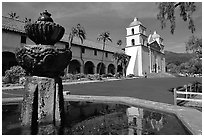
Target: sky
[(115, 17)]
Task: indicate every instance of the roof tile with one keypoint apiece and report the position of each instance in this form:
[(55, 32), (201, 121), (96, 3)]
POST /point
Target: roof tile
[(18, 26)]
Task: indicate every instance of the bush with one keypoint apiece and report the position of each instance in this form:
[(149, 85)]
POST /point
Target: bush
[(80, 75), (130, 75), (93, 76), (13, 74), (107, 75), (118, 75), (68, 77)]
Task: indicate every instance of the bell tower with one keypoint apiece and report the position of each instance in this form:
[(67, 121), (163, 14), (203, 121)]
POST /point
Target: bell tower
[(135, 39)]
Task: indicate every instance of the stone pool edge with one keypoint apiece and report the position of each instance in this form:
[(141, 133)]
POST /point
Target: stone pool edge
[(190, 118)]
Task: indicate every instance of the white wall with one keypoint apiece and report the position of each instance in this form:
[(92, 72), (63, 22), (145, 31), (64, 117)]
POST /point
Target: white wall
[(11, 41), (134, 66), (145, 60), (129, 30)]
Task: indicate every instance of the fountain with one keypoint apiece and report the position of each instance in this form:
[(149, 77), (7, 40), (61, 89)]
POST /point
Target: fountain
[(42, 109), (45, 110)]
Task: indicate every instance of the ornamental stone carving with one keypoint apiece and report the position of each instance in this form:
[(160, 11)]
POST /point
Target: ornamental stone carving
[(44, 59)]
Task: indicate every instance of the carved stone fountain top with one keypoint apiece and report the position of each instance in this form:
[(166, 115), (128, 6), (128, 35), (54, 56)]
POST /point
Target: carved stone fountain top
[(44, 31), (45, 16), (43, 59)]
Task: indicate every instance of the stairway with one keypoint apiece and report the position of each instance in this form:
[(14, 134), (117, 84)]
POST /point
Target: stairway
[(159, 75)]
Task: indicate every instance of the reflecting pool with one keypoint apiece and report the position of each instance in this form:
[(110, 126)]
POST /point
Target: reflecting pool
[(91, 118)]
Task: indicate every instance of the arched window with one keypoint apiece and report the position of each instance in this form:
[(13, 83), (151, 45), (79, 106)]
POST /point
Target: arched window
[(133, 42), (133, 31)]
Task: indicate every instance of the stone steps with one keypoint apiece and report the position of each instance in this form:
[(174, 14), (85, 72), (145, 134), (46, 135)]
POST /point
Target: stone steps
[(159, 75)]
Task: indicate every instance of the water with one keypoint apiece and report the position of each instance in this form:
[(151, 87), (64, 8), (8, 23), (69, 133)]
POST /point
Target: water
[(88, 118)]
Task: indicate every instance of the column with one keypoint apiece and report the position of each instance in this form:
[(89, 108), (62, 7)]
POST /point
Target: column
[(150, 61), (43, 106)]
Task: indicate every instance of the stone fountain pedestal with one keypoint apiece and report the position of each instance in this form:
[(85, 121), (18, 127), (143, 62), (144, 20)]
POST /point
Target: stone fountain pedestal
[(43, 105)]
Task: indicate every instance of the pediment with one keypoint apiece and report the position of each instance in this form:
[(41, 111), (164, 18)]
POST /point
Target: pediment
[(155, 45)]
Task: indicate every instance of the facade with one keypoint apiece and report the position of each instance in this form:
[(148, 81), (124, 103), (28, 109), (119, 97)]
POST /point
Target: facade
[(147, 53), (13, 36)]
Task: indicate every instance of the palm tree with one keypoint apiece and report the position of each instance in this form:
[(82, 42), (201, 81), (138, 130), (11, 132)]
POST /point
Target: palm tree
[(119, 43), (103, 37), (116, 57), (13, 15), (27, 20), (79, 32), (123, 60)]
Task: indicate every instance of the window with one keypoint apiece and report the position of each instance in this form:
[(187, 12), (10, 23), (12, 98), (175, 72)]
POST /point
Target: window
[(133, 31), (133, 42), (106, 54), (83, 50), (95, 52), (23, 39)]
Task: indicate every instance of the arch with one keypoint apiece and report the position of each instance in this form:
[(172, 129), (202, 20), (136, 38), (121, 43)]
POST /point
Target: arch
[(133, 42), (8, 60), (74, 67), (102, 65), (111, 69), (89, 67)]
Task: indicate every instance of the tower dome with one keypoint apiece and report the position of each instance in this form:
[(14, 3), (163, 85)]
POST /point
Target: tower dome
[(135, 22), (155, 35)]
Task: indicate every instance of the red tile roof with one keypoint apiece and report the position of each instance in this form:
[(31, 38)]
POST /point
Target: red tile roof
[(13, 25), (18, 26)]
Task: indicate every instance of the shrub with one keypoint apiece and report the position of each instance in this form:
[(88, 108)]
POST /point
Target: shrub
[(118, 75), (107, 75), (69, 77), (13, 74), (93, 76), (131, 75), (80, 75)]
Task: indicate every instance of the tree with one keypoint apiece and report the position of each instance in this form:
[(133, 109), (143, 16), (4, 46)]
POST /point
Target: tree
[(13, 15), (195, 66), (104, 37), (119, 43), (116, 57), (167, 13), (79, 32), (173, 68), (27, 20), (194, 44), (123, 60)]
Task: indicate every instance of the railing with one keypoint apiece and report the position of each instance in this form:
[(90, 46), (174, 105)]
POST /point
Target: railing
[(188, 91)]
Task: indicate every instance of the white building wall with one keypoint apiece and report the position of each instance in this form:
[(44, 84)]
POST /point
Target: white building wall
[(145, 60), (134, 66), (135, 37), (11, 41), (136, 30)]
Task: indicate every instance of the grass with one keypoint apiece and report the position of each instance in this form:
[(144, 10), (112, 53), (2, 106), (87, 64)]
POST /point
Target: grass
[(154, 89)]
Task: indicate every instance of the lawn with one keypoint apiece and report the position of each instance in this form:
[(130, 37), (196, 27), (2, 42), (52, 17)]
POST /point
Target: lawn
[(154, 89)]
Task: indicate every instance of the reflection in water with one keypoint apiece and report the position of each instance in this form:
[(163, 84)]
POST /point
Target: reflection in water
[(143, 121), (88, 118)]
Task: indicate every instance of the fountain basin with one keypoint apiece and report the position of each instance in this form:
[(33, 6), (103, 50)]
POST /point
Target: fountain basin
[(115, 115)]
